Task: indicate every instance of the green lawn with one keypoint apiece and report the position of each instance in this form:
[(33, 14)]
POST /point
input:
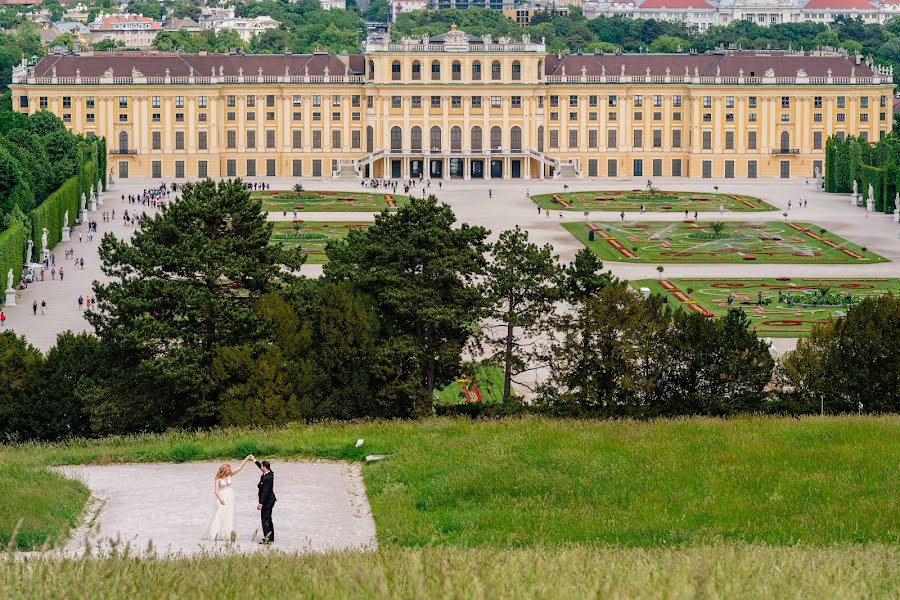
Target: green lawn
[(659, 201), (775, 317), (487, 378), (738, 242), (535, 482), (721, 571), (312, 236), (316, 201)]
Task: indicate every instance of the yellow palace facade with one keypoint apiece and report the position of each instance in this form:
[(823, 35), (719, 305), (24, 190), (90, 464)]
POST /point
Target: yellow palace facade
[(456, 106)]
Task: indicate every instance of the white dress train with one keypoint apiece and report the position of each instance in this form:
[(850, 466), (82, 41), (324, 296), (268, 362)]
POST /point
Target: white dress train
[(221, 524)]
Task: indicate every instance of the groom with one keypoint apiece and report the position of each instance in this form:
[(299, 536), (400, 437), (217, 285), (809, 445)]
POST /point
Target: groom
[(267, 499)]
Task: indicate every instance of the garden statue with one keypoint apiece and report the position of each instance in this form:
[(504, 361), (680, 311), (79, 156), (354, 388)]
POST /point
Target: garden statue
[(870, 204), (897, 208), (83, 201), (854, 198), (10, 291), (30, 250), (44, 232), (66, 232)]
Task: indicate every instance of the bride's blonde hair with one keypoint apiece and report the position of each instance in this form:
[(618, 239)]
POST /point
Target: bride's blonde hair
[(223, 471)]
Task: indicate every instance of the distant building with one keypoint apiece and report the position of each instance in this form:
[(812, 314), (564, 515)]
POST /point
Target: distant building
[(707, 13), (522, 14), (188, 25), (398, 7), (333, 4), (246, 28), (133, 31)]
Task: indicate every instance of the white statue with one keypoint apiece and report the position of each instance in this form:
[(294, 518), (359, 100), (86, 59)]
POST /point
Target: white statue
[(83, 200), (871, 194), (44, 232), (30, 250), (855, 188), (66, 220), (9, 278)]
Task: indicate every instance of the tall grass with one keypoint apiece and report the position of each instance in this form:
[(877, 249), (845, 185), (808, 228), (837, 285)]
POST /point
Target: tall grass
[(732, 571), (538, 482)]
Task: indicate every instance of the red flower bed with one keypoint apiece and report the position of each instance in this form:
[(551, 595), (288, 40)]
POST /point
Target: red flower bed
[(749, 258), (299, 207)]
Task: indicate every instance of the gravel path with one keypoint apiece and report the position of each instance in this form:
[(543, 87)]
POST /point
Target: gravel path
[(322, 506)]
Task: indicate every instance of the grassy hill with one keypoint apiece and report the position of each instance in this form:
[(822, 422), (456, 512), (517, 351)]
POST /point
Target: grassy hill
[(535, 482)]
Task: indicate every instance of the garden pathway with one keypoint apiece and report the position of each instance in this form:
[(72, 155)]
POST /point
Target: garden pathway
[(321, 507)]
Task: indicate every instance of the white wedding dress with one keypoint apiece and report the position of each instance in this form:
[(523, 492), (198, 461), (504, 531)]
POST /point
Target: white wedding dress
[(221, 525)]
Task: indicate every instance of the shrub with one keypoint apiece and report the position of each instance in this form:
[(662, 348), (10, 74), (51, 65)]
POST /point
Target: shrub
[(184, 452)]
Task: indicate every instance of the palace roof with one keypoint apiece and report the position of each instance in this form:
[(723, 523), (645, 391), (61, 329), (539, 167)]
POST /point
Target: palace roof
[(160, 64), (732, 64)]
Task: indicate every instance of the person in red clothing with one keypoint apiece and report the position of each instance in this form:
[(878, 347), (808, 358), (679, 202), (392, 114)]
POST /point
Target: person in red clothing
[(2, 319)]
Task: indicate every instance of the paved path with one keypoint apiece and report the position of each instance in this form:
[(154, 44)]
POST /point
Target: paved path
[(508, 207), (322, 506)]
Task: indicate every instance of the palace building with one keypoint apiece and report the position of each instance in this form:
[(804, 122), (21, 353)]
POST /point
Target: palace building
[(457, 106)]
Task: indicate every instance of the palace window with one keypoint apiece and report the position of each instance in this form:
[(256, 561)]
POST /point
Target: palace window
[(785, 102), (154, 102), (156, 117), (179, 101), (297, 101), (751, 102), (817, 102), (476, 71), (395, 102), (230, 101), (676, 101), (554, 101), (638, 101), (416, 70), (435, 102), (251, 116), (251, 101), (395, 71), (841, 102), (612, 101), (864, 102), (123, 101), (707, 101), (592, 101), (416, 101), (90, 117), (495, 70), (516, 101), (435, 70), (202, 140), (573, 101), (729, 101), (676, 116), (456, 71), (455, 101), (251, 139), (476, 101), (67, 101), (88, 102), (516, 70), (495, 102), (317, 101)]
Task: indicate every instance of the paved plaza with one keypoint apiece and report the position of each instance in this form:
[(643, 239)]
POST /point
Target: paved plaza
[(508, 206)]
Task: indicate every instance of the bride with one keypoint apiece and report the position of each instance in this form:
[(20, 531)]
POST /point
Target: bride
[(221, 524)]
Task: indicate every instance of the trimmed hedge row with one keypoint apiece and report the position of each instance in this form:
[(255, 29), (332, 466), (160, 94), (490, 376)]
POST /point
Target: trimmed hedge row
[(51, 212), (854, 159), (12, 250)]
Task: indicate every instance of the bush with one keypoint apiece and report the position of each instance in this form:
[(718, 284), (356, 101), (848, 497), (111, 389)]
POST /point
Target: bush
[(12, 250), (185, 451)]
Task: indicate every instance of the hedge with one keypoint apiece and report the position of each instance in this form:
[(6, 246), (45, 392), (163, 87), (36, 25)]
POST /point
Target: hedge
[(51, 212), (101, 160), (12, 253)]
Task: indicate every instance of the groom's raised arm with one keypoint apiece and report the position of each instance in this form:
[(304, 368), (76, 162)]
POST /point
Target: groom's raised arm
[(258, 465)]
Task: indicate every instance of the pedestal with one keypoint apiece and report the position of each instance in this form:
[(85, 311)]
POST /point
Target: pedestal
[(81, 215), (99, 199), (897, 215), (870, 205), (10, 297), (854, 200), (92, 205), (66, 234)]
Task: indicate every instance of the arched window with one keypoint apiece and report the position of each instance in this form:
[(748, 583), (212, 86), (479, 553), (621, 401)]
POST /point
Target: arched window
[(395, 71), (515, 138), (416, 135), (416, 70), (435, 70), (371, 69), (456, 71), (785, 140), (476, 138), (123, 141), (476, 70), (495, 70), (435, 138), (370, 139), (496, 138), (540, 70), (540, 140), (455, 139), (516, 70), (396, 138)]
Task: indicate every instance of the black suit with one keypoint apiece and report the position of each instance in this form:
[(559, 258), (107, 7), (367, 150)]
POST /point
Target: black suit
[(267, 499)]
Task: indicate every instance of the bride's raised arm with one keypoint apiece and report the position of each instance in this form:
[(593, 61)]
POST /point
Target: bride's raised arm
[(244, 462)]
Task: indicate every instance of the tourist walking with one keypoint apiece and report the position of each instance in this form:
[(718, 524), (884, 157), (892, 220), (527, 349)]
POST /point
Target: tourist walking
[(34, 307), (80, 302), (43, 307), (622, 216), (2, 319), (61, 274)]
